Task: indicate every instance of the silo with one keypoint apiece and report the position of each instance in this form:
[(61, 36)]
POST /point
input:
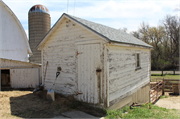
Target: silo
[(39, 24)]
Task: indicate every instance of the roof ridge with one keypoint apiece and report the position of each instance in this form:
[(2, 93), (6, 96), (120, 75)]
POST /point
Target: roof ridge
[(109, 33)]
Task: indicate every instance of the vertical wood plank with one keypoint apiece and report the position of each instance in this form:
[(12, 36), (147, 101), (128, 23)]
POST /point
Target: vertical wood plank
[(92, 74), (24, 77), (82, 72), (107, 81), (105, 75), (42, 67), (85, 53), (88, 62), (78, 73), (89, 73)]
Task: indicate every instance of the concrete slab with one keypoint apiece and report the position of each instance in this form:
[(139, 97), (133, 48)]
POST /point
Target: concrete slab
[(77, 114), (60, 116)]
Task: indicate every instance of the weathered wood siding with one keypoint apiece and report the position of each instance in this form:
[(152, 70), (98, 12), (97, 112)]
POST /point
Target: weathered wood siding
[(22, 74), (60, 50), (122, 76), (24, 77), (6, 63), (89, 80)]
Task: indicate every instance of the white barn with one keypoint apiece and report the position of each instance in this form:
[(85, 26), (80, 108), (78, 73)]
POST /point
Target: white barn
[(13, 39), (14, 51), (100, 65), (19, 74)]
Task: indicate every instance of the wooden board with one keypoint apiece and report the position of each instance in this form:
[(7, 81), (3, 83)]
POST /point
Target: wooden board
[(88, 79), (24, 78)]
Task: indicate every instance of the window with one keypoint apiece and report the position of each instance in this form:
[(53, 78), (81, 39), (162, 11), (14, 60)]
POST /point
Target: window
[(138, 61)]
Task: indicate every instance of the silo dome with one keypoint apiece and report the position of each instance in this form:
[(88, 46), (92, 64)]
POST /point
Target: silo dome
[(39, 8)]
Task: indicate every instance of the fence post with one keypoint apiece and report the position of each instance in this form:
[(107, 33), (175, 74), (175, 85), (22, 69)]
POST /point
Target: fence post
[(156, 92), (150, 96), (163, 83)]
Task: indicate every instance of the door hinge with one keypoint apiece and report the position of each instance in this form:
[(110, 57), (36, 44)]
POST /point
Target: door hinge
[(77, 53), (78, 93)]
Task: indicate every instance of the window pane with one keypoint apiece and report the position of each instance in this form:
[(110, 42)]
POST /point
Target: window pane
[(137, 63), (137, 57)]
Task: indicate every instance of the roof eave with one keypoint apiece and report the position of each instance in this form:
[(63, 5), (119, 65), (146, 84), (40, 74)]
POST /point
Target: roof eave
[(148, 47), (90, 29)]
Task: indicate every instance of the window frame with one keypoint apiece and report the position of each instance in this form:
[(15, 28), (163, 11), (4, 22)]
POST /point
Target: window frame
[(138, 61)]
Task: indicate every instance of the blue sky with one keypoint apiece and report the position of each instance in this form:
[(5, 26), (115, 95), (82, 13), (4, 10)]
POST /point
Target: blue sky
[(113, 13)]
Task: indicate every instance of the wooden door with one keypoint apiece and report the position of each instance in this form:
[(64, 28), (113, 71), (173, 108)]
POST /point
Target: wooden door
[(89, 72)]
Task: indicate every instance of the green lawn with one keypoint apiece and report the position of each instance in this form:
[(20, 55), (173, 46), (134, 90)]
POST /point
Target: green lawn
[(167, 76), (144, 111)]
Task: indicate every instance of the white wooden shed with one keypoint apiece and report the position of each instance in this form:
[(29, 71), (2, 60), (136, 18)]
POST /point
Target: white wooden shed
[(100, 65)]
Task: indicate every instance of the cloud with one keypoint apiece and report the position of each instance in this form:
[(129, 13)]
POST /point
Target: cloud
[(113, 13)]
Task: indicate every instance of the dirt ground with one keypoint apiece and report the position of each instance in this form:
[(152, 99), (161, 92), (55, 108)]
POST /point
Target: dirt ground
[(25, 104), (172, 102)]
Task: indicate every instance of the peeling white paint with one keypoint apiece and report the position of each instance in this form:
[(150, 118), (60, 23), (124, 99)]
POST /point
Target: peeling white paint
[(80, 53), (88, 78), (123, 78), (22, 74), (24, 77)]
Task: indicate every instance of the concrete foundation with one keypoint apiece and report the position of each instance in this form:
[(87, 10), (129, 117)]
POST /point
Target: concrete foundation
[(140, 96)]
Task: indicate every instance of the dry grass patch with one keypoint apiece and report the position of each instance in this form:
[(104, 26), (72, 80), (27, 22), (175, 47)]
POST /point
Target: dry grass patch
[(25, 104)]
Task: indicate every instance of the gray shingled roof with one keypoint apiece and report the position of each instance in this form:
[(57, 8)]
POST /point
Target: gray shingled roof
[(109, 33)]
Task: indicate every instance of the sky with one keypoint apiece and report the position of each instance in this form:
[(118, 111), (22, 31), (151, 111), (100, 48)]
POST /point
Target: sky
[(113, 13)]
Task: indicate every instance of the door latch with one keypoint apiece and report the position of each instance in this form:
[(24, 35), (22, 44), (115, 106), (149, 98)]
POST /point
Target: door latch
[(98, 70)]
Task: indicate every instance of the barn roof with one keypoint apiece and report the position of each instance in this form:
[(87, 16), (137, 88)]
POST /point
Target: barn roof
[(111, 34)]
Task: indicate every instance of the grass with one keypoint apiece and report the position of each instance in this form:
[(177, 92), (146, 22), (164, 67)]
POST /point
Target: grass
[(163, 96), (165, 76), (144, 111)]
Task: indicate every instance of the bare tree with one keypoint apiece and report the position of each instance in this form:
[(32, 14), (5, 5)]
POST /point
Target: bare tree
[(165, 41), (172, 28), (135, 34)]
